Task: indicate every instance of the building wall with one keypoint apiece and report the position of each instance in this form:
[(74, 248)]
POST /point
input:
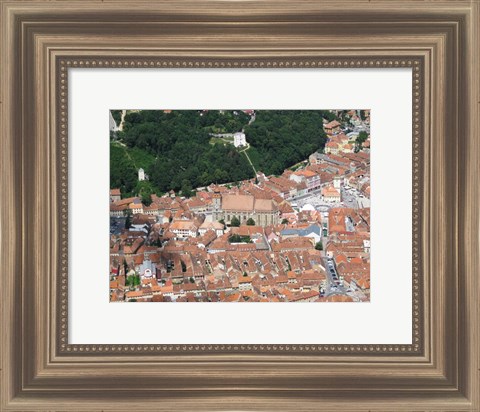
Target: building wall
[(260, 218)]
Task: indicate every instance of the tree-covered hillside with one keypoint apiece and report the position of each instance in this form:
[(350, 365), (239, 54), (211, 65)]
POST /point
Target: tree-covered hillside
[(123, 174), (283, 138), (177, 152), (179, 141)]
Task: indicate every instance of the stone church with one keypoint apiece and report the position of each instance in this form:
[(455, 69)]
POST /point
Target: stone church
[(263, 211)]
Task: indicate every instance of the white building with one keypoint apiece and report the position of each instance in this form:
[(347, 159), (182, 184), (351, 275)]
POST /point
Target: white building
[(244, 284), (239, 139), (366, 245), (136, 208), (337, 182), (147, 269), (184, 228), (141, 175), (331, 195)]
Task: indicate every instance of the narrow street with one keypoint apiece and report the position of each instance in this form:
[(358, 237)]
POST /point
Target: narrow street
[(333, 281)]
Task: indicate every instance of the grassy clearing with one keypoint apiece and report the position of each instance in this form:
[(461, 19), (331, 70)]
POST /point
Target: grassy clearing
[(221, 140), (140, 157)]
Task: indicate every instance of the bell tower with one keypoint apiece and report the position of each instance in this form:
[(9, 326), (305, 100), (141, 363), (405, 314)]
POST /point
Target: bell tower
[(217, 206)]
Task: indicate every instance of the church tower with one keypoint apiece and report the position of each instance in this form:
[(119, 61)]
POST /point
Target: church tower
[(337, 182), (217, 206)]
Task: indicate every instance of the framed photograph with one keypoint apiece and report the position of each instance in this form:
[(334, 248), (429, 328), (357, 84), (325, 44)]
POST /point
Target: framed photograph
[(219, 229), (244, 205)]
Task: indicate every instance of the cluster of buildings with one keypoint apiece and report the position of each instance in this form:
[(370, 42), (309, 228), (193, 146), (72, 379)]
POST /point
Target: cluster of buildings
[(249, 242)]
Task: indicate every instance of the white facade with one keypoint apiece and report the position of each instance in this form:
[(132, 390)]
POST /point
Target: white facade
[(184, 229), (331, 195), (332, 198), (239, 139), (366, 245), (116, 212), (184, 233), (337, 182), (243, 286), (141, 175)]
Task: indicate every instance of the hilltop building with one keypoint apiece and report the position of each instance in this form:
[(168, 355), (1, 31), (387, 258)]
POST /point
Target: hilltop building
[(142, 175), (239, 139)]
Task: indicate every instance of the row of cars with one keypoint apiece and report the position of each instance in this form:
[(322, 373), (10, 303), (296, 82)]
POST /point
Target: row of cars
[(331, 268)]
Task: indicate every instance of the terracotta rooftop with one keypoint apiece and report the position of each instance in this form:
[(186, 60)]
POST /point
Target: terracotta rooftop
[(332, 124), (182, 225), (238, 202), (262, 205), (211, 225)]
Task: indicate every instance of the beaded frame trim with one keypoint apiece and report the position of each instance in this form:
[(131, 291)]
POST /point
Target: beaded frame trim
[(417, 66)]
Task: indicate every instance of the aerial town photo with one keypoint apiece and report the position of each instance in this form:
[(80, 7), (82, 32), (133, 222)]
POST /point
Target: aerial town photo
[(239, 205)]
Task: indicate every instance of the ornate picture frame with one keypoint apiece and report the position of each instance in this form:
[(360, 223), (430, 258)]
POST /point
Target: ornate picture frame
[(438, 40)]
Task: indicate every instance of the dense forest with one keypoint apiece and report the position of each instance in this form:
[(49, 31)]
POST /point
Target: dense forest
[(177, 151), (282, 138)]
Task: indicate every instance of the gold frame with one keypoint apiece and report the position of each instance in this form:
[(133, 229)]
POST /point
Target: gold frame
[(438, 39)]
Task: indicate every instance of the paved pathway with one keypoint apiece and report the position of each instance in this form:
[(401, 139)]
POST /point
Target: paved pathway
[(122, 121), (244, 151), (333, 285)]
